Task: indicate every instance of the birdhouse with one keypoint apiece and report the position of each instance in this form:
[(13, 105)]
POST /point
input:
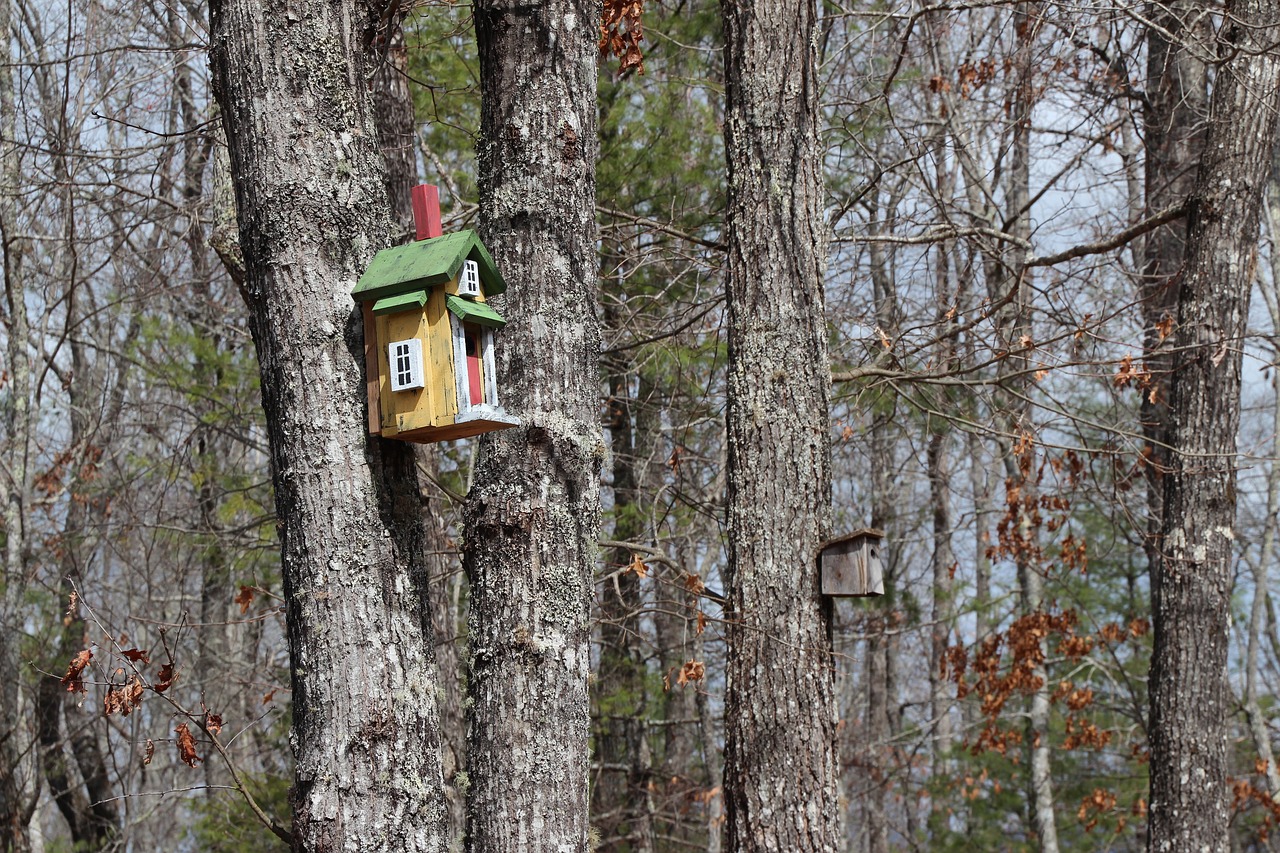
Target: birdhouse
[(430, 334), (851, 566)]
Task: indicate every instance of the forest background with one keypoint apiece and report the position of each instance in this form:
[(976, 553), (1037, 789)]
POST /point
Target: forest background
[(1001, 438)]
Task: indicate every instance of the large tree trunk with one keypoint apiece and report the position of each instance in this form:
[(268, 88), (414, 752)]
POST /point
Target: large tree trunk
[(312, 210), (533, 514), (1191, 586), (780, 775)]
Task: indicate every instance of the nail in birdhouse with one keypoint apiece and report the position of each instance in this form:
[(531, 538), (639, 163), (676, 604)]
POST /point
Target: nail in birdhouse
[(851, 566), (430, 334)]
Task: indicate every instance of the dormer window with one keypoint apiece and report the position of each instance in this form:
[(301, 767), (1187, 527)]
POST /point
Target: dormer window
[(469, 281), (406, 365)]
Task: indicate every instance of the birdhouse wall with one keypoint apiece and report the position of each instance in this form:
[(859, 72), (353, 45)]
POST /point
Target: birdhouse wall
[(852, 568), (400, 406), (436, 404)]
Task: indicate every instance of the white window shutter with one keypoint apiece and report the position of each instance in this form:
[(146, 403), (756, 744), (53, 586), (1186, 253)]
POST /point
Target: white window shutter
[(469, 281), (405, 361)]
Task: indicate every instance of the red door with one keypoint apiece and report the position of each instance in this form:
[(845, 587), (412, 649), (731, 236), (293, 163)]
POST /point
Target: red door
[(474, 379)]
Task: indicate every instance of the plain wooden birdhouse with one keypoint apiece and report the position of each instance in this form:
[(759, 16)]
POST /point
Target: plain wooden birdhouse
[(851, 567), (430, 334)]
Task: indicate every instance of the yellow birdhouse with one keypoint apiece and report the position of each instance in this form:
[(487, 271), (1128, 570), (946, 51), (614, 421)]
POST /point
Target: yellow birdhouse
[(430, 334)]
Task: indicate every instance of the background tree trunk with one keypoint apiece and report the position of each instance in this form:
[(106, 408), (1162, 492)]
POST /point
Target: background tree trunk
[(1174, 123), (394, 118), (533, 513), (312, 210), (19, 775), (780, 774), (1191, 587)]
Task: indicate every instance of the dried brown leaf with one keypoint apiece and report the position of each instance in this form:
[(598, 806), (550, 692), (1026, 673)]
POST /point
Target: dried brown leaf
[(74, 679), (638, 566), (245, 598), (186, 745), (164, 680), (694, 670)]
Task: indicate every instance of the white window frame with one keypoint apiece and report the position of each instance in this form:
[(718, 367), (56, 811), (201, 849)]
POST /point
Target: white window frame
[(469, 279), (461, 381), (404, 363)]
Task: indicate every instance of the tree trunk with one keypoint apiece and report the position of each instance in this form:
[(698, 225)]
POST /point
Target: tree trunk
[(1020, 458), (533, 513), (396, 123), (943, 559), (620, 799), (780, 776), (74, 762), (312, 211), (19, 780), (1257, 718), (393, 115), (1174, 122), (1191, 588)]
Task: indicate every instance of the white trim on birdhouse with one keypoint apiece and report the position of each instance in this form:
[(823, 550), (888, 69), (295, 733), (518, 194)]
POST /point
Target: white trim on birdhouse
[(490, 369), (405, 360), (462, 380), (469, 281), (461, 385)]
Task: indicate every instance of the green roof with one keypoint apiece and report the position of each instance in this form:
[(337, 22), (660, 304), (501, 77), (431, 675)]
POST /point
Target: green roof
[(403, 302), (423, 264), (474, 312)]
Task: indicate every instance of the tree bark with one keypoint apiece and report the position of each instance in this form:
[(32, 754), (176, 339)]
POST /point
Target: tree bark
[(1191, 587), (19, 779), (1020, 458), (396, 123), (291, 84), (1174, 122), (781, 774), (532, 518), (621, 802)]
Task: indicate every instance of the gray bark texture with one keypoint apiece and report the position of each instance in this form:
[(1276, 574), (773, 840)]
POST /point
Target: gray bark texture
[(1174, 122), (532, 518), (780, 776), (394, 118), (292, 85), (621, 802), (19, 777), (1191, 587)]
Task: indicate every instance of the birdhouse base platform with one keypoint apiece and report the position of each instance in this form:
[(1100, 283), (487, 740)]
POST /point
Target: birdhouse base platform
[(466, 426)]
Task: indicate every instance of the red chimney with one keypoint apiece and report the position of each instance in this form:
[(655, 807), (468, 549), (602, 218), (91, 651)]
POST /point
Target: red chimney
[(426, 211)]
